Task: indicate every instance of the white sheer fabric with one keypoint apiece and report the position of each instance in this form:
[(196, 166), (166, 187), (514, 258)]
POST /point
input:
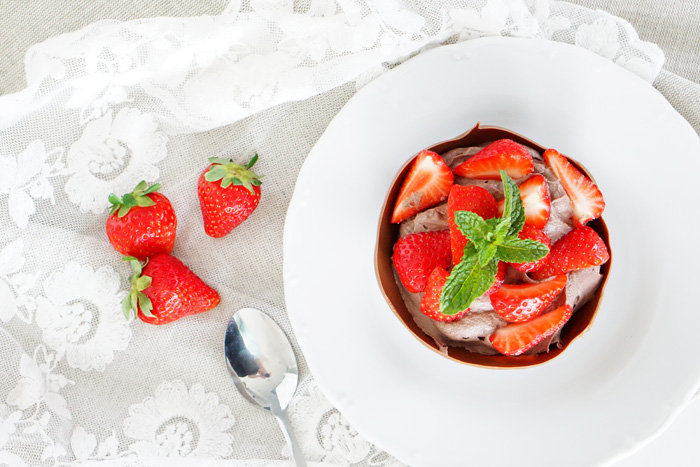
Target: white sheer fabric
[(115, 103)]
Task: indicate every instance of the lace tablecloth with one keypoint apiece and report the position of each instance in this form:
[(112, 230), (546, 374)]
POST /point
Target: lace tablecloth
[(118, 102)]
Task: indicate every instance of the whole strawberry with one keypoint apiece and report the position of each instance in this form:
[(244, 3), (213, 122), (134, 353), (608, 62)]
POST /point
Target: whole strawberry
[(165, 290), (141, 223), (228, 194)]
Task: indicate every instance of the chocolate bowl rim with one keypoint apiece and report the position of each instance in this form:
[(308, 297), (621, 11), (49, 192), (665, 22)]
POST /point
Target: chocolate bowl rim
[(387, 234)]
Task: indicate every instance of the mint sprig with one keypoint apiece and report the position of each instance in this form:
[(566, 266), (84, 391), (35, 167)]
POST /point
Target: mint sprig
[(490, 241), (468, 280)]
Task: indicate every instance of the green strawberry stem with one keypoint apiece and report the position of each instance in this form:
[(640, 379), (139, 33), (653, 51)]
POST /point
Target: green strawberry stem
[(138, 197), (136, 298), (231, 173)]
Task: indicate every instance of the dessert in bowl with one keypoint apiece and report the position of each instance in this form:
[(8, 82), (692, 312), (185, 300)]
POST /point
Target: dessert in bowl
[(492, 250)]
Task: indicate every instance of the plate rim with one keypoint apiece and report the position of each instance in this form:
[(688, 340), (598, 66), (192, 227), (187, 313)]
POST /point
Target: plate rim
[(607, 458)]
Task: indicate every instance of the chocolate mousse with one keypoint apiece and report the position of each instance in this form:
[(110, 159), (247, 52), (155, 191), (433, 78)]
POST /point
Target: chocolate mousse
[(482, 331)]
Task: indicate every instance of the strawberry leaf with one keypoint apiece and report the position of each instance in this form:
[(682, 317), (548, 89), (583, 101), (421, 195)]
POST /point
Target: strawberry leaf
[(219, 160), (141, 186), (227, 181), (145, 305), (144, 201), (467, 281), (126, 306), (152, 188), (216, 173), (114, 199), (252, 162), (134, 302), (143, 282), (129, 200), (231, 173), (135, 266), (516, 250)]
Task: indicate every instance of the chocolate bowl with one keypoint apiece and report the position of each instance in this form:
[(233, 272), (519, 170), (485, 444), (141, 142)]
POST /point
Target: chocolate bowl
[(388, 234)]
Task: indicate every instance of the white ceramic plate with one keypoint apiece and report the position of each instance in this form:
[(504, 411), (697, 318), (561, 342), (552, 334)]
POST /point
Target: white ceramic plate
[(612, 390)]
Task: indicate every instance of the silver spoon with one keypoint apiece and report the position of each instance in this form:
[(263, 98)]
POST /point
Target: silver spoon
[(263, 367)]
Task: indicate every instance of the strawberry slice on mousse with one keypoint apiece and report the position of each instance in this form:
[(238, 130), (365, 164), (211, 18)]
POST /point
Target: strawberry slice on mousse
[(534, 193), (585, 196), (516, 303), (430, 303), (516, 339), (503, 154), (427, 183), (416, 255), (579, 249)]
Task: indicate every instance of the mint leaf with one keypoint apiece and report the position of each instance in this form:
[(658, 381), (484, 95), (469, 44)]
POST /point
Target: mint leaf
[(485, 255), (501, 230), (467, 281), (516, 250), (513, 207), (471, 225)]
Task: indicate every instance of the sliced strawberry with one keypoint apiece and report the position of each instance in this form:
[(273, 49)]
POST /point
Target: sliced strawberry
[(532, 233), (467, 198), (500, 277), (535, 196), (427, 182), (522, 302), (585, 196), (581, 248), (430, 303), (503, 154), (515, 339), (416, 255)]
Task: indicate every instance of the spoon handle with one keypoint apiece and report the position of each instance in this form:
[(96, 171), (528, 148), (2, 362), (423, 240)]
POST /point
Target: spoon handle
[(291, 439)]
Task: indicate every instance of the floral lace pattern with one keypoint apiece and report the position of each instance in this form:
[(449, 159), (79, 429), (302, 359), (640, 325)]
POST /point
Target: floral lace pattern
[(25, 179), (112, 156), (180, 422), (117, 103), (81, 316)]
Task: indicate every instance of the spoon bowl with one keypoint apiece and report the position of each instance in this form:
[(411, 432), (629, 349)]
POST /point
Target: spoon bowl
[(263, 367)]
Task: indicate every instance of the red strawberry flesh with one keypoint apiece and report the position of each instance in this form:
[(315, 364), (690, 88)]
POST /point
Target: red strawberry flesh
[(586, 198), (521, 302), (143, 231), (503, 154), (500, 277), (416, 255), (175, 291), (430, 302), (516, 339), (228, 195), (579, 249), (467, 198), (427, 183), (532, 233), (535, 196)]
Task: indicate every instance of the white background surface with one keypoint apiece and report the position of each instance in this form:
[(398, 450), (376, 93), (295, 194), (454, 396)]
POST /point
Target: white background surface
[(673, 25)]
